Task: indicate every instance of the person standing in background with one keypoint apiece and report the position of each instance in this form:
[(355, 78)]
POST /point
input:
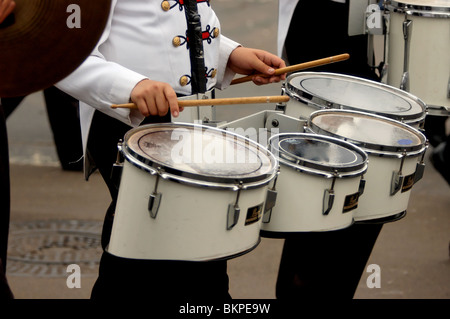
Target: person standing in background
[(325, 265)]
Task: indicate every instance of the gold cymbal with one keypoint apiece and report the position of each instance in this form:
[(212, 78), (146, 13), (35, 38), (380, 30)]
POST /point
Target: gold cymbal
[(43, 41)]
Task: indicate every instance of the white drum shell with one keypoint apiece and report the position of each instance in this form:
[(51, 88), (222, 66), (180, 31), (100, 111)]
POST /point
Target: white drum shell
[(299, 204), (377, 202), (429, 60), (191, 223)]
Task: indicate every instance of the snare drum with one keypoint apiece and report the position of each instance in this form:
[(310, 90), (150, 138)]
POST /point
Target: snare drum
[(395, 151), (189, 192), (318, 186), (418, 50), (312, 91)]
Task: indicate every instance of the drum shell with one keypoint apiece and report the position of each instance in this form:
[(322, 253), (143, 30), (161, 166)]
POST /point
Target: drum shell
[(429, 62), (377, 202), (299, 205), (191, 223)]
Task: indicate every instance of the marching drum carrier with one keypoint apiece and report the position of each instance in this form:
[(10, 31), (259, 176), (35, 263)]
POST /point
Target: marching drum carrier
[(189, 192)]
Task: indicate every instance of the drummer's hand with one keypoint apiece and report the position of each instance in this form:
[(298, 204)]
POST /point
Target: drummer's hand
[(155, 98), (6, 7), (247, 61)]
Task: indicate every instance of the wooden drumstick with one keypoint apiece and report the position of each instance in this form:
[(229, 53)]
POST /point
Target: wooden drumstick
[(297, 67), (222, 101)]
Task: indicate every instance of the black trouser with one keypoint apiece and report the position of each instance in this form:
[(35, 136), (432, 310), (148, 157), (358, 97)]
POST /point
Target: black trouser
[(326, 264), (121, 278), (5, 292)]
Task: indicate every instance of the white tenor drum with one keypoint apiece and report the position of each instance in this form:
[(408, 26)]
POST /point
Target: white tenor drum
[(419, 50), (189, 192), (318, 185), (395, 151), (313, 91)]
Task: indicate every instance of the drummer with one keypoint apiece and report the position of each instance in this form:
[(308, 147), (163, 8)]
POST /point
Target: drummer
[(148, 56), (324, 265)]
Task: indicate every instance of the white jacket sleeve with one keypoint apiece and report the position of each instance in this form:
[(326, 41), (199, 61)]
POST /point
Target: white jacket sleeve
[(224, 74)]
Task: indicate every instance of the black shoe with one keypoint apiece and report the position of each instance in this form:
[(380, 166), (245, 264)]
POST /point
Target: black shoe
[(439, 162)]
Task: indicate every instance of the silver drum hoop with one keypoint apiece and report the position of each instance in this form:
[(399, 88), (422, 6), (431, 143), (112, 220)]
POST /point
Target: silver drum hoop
[(309, 167), (198, 180), (322, 102), (422, 10), (370, 147)]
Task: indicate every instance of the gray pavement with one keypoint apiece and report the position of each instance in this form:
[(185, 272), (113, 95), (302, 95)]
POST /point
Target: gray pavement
[(53, 211)]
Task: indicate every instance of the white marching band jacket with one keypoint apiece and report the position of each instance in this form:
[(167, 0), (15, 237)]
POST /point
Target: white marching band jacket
[(145, 39)]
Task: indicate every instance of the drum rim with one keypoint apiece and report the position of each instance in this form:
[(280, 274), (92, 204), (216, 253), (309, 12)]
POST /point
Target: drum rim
[(419, 10), (299, 94), (174, 174), (370, 148), (303, 165)]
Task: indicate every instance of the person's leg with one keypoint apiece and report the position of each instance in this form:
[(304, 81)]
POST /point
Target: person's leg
[(62, 111), (325, 264)]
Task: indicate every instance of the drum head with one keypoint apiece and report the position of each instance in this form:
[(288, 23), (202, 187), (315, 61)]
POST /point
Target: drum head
[(317, 152), (200, 152), (336, 91), (369, 131)]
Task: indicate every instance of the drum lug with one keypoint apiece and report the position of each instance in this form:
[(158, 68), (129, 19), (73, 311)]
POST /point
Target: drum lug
[(271, 199), (407, 27), (420, 167), (397, 177), (116, 172), (328, 200), (362, 186), (328, 197), (234, 210), (404, 83), (153, 204), (155, 198), (396, 183)]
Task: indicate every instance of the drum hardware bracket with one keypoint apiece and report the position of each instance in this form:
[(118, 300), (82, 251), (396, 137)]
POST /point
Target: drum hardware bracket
[(234, 210), (328, 197), (362, 186), (116, 172), (407, 26), (271, 199), (155, 197), (282, 106), (397, 177), (420, 167)]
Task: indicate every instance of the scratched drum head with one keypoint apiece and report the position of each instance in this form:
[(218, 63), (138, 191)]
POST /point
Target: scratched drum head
[(338, 91), (368, 131), (315, 153), (199, 152)]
